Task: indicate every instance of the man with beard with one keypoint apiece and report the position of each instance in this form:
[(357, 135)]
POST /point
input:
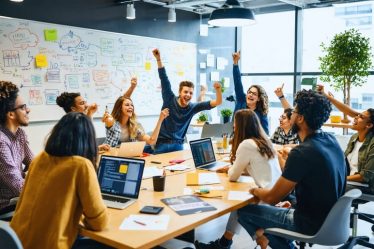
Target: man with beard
[(181, 110), (315, 169), (15, 153)]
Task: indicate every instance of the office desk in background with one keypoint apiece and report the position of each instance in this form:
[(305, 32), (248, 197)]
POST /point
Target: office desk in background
[(174, 186), (338, 125)]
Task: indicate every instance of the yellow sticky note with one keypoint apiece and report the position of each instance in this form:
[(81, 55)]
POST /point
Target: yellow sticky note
[(147, 65), (41, 60), (123, 168), (50, 34)]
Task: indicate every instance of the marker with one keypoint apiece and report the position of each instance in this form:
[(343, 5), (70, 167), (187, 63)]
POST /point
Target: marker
[(140, 223), (156, 162)]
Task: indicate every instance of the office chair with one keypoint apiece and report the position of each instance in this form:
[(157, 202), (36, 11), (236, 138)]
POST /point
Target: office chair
[(334, 230), (7, 213), (8, 238), (354, 239)]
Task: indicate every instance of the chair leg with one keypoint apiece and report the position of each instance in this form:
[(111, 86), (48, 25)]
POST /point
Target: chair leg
[(365, 243), (358, 240)]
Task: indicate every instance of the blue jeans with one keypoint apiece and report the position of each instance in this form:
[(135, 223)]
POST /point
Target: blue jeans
[(163, 148), (253, 217)]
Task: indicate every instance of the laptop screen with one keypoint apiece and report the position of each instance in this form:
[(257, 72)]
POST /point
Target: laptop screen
[(120, 176), (202, 151)]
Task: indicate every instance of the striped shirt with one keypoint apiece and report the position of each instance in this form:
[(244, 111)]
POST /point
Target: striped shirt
[(15, 153)]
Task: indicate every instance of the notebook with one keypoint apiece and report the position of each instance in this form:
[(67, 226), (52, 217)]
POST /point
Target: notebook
[(120, 179), (131, 149), (203, 155)]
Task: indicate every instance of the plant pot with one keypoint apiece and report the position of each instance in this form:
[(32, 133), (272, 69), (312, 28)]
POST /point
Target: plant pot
[(226, 120)]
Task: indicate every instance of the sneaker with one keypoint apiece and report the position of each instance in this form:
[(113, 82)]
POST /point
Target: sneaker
[(212, 245)]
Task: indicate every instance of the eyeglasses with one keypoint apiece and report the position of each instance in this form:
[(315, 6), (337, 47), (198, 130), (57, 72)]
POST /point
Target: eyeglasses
[(22, 107), (252, 93)]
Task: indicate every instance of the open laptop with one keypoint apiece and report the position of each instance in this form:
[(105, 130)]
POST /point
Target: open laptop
[(120, 179), (203, 155), (131, 149)]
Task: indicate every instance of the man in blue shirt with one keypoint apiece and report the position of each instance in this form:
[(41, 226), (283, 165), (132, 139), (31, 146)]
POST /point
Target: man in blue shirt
[(315, 169), (181, 110)]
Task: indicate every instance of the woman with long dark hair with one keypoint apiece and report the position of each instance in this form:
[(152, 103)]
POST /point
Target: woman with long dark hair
[(251, 153), (64, 176)]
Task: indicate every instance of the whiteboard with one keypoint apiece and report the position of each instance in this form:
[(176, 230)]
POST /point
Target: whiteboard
[(98, 64)]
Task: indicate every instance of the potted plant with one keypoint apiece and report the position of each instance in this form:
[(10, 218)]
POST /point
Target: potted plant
[(226, 114), (346, 63), (202, 118)]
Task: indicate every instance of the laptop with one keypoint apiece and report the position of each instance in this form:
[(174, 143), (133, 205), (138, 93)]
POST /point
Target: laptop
[(203, 155), (120, 179), (131, 149)]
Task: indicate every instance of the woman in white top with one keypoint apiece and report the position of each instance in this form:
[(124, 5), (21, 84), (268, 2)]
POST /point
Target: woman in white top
[(251, 153)]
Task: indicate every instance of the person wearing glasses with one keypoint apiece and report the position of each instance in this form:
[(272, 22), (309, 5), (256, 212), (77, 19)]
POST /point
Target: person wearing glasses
[(315, 169), (360, 149), (256, 98), (15, 152)]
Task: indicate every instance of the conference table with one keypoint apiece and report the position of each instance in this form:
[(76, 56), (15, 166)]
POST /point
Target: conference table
[(174, 186), (338, 125)]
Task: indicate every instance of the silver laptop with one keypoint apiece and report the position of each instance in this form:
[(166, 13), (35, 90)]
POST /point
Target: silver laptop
[(131, 149), (120, 179), (203, 155)]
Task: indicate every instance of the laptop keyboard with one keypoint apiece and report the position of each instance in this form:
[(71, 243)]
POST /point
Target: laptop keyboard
[(115, 199)]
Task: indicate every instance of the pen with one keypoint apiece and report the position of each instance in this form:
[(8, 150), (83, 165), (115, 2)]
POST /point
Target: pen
[(156, 162), (140, 223)]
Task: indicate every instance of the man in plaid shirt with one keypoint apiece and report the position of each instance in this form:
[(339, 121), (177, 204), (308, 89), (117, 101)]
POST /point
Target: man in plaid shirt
[(15, 153)]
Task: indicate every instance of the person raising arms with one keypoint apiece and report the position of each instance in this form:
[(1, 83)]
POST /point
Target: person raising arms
[(15, 152), (360, 149), (174, 129), (256, 98), (125, 127), (74, 102), (315, 169)]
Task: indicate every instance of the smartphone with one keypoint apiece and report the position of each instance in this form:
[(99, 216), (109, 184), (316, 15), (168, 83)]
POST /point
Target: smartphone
[(151, 210)]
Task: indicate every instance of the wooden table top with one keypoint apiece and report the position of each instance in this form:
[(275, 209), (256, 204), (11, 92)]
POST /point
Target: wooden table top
[(174, 186)]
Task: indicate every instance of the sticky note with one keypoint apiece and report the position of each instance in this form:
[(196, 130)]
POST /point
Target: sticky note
[(41, 60), (123, 168), (147, 65), (50, 34)]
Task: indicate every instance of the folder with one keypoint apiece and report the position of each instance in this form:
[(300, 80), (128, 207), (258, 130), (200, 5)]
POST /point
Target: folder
[(195, 178)]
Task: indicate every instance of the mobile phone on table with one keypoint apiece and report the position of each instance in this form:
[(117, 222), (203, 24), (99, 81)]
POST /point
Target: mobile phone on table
[(151, 210)]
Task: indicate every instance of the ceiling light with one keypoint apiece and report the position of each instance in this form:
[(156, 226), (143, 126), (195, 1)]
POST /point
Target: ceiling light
[(130, 11), (172, 16), (232, 14), (17, 1)]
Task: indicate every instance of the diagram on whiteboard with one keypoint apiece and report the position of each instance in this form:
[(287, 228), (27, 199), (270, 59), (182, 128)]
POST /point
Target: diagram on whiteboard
[(45, 60)]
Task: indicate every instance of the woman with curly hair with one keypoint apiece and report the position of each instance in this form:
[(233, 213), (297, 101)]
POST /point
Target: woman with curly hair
[(360, 149), (256, 98), (125, 127)]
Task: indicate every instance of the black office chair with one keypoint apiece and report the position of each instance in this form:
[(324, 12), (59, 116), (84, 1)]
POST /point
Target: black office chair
[(8, 238), (354, 239)]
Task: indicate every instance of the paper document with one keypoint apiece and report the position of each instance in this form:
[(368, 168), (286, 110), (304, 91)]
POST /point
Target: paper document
[(178, 167), (152, 171), (202, 178), (145, 222), (246, 179), (239, 196)]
